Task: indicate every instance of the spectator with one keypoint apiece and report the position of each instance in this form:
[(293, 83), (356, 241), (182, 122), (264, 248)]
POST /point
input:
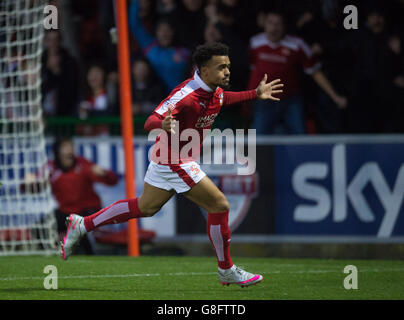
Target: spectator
[(375, 61), (211, 11), (185, 13), (211, 33), (91, 41), (72, 180), (106, 24), (18, 104), (222, 31), (161, 28), (190, 13), (98, 100), (166, 7), (239, 15), (279, 55), (321, 29), (169, 61), (396, 45), (238, 48), (147, 91), (59, 77)]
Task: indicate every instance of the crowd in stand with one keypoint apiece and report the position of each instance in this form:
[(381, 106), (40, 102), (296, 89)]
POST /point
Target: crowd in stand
[(337, 80)]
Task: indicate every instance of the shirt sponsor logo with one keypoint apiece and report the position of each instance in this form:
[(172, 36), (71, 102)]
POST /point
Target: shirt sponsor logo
[(205, 121), (272, 57)]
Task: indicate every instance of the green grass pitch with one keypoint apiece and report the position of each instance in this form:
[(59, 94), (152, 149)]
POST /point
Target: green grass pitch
[(189, 278)]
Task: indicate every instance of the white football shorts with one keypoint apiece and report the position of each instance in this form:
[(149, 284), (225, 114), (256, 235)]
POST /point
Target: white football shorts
[(180, 177)]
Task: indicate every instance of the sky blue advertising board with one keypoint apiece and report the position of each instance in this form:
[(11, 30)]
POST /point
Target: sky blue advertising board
[(340, 189)]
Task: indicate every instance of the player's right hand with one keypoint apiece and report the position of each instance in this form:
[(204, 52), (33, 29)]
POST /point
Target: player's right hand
[(98, 171), (168, 124)]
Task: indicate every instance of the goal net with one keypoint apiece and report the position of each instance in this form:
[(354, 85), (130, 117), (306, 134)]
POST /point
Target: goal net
[(27, 222)]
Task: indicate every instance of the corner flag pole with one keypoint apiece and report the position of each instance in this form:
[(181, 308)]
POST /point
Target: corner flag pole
[(126, 117)]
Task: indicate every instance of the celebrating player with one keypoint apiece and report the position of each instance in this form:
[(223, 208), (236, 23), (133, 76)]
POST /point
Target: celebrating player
[(192, 105)]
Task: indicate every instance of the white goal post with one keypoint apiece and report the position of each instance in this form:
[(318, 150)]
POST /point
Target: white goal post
[(27, 222)]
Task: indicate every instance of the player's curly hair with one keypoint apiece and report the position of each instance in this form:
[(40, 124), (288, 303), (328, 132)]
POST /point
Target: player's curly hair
[(203, 53)]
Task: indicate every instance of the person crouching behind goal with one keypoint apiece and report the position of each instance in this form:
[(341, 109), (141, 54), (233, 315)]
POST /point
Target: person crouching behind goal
[(200, 97), (72, 180)]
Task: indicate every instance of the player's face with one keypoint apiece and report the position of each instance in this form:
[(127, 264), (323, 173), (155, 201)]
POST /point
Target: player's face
[(216, 73)]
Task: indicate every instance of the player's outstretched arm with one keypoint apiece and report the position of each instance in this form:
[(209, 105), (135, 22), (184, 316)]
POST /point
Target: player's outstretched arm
[(267, 91)]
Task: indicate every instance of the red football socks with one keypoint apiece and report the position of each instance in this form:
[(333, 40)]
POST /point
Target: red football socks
[(118, 212), (123, 210), (219, 235)]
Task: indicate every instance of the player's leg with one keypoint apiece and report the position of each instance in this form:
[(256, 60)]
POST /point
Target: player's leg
[(149, 203), (206, 195)]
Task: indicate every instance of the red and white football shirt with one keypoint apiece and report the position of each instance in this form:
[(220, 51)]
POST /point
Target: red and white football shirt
[(194, 105), (283, 60)]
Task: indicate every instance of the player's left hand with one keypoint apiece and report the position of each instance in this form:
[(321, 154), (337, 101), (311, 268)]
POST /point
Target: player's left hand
[(267, 90)]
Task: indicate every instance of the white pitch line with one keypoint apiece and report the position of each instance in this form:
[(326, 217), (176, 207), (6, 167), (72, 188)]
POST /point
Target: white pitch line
[(97, 276)]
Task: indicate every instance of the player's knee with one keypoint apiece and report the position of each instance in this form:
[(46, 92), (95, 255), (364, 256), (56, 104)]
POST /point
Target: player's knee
[(147, 208), (221, 205), (150, 211)]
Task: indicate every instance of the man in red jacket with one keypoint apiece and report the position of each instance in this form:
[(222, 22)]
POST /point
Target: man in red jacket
[(72, 180), (280, 55), (194, 104)]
